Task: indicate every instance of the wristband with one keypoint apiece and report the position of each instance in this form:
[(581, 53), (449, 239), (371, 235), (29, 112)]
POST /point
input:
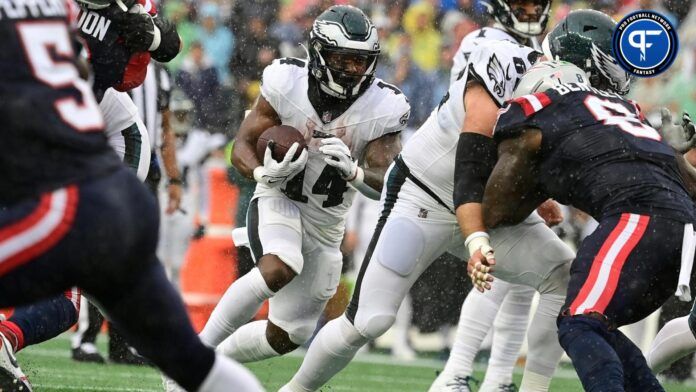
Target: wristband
[(476, 241), (358, 182)]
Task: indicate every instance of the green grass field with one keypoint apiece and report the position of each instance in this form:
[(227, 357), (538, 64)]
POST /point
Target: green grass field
[(50, 368)]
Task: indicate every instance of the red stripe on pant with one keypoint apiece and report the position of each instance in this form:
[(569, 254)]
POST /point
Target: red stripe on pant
[(74, 295), (41, 242), (614, 263)]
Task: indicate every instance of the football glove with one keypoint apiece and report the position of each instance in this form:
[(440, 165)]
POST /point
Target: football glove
[(139, 32), (680, 135), (273, 173), (338, 156)]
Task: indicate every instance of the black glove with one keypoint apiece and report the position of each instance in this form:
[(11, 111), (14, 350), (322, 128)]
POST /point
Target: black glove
[(139, 32)]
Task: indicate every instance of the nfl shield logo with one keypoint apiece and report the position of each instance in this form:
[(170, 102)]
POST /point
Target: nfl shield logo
[(326, 117)]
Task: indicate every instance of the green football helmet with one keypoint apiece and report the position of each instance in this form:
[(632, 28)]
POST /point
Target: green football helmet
[(584, 38), (343, 51)]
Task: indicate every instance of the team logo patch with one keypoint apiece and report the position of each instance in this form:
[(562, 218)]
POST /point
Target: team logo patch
[(498, 75), (645, 43)]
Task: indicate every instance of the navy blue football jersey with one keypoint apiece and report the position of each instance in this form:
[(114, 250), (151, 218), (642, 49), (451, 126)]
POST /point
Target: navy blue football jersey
[(113, 64), (51, 133), (598, 153)]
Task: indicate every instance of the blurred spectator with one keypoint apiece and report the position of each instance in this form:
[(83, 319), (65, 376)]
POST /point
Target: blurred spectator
[(425, 40), (198, 79), (289, 32), (255, 50), (179, 13), (243, 11), (217, 40)]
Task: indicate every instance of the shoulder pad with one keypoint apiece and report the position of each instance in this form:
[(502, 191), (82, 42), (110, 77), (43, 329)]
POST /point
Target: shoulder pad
[(498, 66), (279, 77), (394, 105)]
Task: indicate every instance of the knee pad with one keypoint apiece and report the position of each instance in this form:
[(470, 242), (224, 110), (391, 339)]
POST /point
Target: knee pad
[(400, 250), (373, 326), (301, 334), (556, 283)]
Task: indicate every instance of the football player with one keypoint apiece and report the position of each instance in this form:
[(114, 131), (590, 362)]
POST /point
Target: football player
[(120, 38), (505, 308), (71, 214), (418, 223), (602, 157), (351, 122)]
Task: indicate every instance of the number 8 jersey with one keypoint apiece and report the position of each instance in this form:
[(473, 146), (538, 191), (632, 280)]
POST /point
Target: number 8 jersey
[(52, 127), (598, 153), (320, 193)]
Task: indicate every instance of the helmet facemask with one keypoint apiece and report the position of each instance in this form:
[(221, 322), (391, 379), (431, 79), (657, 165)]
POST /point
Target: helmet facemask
[(344, 72), (511, 14)]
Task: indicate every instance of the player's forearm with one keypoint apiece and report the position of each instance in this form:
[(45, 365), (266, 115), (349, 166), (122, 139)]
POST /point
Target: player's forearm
[(374, 177), (244, 158), (168, 149), (470, 218)]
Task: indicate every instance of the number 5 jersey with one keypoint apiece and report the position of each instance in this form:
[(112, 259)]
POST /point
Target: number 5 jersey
[(319, 191), (52, 127)]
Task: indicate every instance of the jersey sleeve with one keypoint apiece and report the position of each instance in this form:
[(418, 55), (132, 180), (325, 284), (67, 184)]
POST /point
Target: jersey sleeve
[(395, 105), (528, 111), (278, 78), (498, 66)]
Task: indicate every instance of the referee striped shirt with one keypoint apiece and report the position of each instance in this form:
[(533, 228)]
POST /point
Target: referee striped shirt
[(151, 98)]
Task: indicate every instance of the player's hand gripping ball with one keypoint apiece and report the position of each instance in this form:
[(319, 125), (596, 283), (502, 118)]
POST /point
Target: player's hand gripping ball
[(283, 155)]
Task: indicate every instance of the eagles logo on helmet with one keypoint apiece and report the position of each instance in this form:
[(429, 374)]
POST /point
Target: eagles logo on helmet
[(583, 38), (343, 51)]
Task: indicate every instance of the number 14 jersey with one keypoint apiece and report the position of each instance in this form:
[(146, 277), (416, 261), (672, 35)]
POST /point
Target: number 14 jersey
[(322, 196), (598, 153)]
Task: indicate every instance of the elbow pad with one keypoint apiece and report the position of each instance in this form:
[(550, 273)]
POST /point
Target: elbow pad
[(170, 43), (476, 157)]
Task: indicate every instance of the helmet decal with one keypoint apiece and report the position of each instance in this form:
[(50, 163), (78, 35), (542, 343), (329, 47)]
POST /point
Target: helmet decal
[(611, 70)]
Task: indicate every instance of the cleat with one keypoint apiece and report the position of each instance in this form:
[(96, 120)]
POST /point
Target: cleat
[(171, 385), (499, 388), (450, 383), (12, 379), (87, 352)]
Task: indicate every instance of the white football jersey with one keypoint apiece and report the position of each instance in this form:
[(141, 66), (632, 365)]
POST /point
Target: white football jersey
[(320, 193), (430, 153), (476, 38)]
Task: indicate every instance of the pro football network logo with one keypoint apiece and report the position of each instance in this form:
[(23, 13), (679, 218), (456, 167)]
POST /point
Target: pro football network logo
[(645, 43)]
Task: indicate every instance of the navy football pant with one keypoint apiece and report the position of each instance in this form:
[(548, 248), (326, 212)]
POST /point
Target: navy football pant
[(101, 236), (622, 273)]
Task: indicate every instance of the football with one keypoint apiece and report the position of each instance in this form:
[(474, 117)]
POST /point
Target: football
[(280, 138)]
